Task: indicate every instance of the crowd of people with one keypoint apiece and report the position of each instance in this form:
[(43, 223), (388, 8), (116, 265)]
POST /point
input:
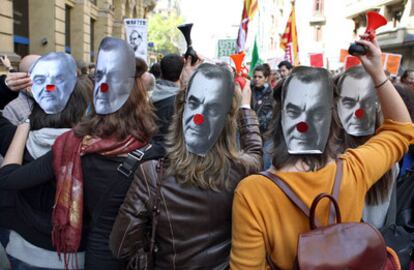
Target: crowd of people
[(122, 166)]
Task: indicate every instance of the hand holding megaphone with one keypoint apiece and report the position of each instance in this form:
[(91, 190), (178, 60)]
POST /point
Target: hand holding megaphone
[(374, 21), (238, 60), (186, 31)]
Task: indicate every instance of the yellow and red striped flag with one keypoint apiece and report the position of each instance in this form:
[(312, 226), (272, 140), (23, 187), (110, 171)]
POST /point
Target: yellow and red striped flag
[(289, 40), (250, 8)]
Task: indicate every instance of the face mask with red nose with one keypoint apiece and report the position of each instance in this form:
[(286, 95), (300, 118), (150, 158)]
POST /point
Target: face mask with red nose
[(54, 78)]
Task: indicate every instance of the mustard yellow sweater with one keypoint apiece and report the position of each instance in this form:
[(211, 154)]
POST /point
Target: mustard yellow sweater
[(264, 219)]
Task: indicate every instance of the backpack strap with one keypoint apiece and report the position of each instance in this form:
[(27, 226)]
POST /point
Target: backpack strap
[(288, 191), (133, 160), (336, 187), (298, 202)]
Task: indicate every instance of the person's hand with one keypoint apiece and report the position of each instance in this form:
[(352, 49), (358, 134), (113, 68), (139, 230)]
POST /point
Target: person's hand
[(372, 60), (188, 70), (17, 81), (5, 61), (246, 93)]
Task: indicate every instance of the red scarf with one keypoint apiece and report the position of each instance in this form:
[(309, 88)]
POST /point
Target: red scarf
[(68, 210)]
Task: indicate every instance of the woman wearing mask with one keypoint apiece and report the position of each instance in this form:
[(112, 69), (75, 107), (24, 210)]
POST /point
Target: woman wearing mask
[(88, 162), (60, 101), (305, 147), (201, 171)]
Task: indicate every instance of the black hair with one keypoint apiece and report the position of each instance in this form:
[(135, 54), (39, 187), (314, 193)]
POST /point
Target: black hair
[(285, 63), (156, 70), (262, 69), (404, 76), (171, 66)]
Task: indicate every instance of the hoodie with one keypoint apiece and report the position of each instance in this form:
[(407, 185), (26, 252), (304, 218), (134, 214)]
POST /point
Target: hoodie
[(163, 89)]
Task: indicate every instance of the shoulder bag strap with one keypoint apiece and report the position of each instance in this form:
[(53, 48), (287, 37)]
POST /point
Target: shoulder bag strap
[(133, 160)]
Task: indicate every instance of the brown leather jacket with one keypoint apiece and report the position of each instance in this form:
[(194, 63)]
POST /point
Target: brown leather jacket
[(194, 224)]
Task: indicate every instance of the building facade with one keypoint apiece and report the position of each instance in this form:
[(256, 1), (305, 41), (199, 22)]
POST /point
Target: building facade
[(327, 26), (398, 35), (73, 26)]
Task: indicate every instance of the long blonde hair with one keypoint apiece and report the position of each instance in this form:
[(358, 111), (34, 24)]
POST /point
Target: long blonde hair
[(213, 170)]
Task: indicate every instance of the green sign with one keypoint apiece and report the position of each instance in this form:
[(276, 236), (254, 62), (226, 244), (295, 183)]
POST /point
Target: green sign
[(225, 47)]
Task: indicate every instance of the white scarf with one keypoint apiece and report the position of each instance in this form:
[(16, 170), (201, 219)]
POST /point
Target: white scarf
[(40, 141)]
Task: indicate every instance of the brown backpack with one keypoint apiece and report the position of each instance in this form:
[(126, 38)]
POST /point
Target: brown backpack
[(351, 245)]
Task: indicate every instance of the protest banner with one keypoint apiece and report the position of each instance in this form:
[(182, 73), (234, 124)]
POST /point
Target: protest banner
[(316, 60), (136, 35)]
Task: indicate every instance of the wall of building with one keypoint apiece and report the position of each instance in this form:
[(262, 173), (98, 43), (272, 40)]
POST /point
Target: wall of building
[(6, 32), (338, 26), (47, 25), (398, 35)]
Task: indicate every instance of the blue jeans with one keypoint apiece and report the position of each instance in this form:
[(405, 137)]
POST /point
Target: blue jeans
[(267, 155), (15, 263)]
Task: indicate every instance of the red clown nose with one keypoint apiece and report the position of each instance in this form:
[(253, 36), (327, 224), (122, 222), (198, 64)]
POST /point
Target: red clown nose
[(198, 119), (104, 87), (50, 87), (302, 127), (359, 113)]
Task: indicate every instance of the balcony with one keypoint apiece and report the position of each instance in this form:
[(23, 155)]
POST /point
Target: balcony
[(354, 8), (317, 19), (398, 37)]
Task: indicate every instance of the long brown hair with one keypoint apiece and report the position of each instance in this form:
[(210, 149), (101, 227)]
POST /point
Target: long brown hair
[(213, 170), (380, 190), (135, 117), (280, 155)]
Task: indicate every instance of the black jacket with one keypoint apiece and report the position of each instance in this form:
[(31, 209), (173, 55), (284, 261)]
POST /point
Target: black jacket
[(262, 104), (104, 191), (6, 95)]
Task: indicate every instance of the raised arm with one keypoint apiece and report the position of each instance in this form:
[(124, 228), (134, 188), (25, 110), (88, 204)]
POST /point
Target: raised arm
[(392, 105), (371, 160), (250, 139)]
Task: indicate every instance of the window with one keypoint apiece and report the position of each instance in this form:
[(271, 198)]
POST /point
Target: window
[(318, 7), (394, 13), (21, 27), (318, 33), (67, 29), (92, 40)]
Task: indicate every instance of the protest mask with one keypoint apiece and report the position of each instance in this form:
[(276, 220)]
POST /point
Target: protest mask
[(54, 78), (307, 99), (357, 103), (114, 75), (207, 103)]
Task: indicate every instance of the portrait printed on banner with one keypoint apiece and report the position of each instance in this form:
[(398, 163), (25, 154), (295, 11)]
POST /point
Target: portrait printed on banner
[(136, 36)]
